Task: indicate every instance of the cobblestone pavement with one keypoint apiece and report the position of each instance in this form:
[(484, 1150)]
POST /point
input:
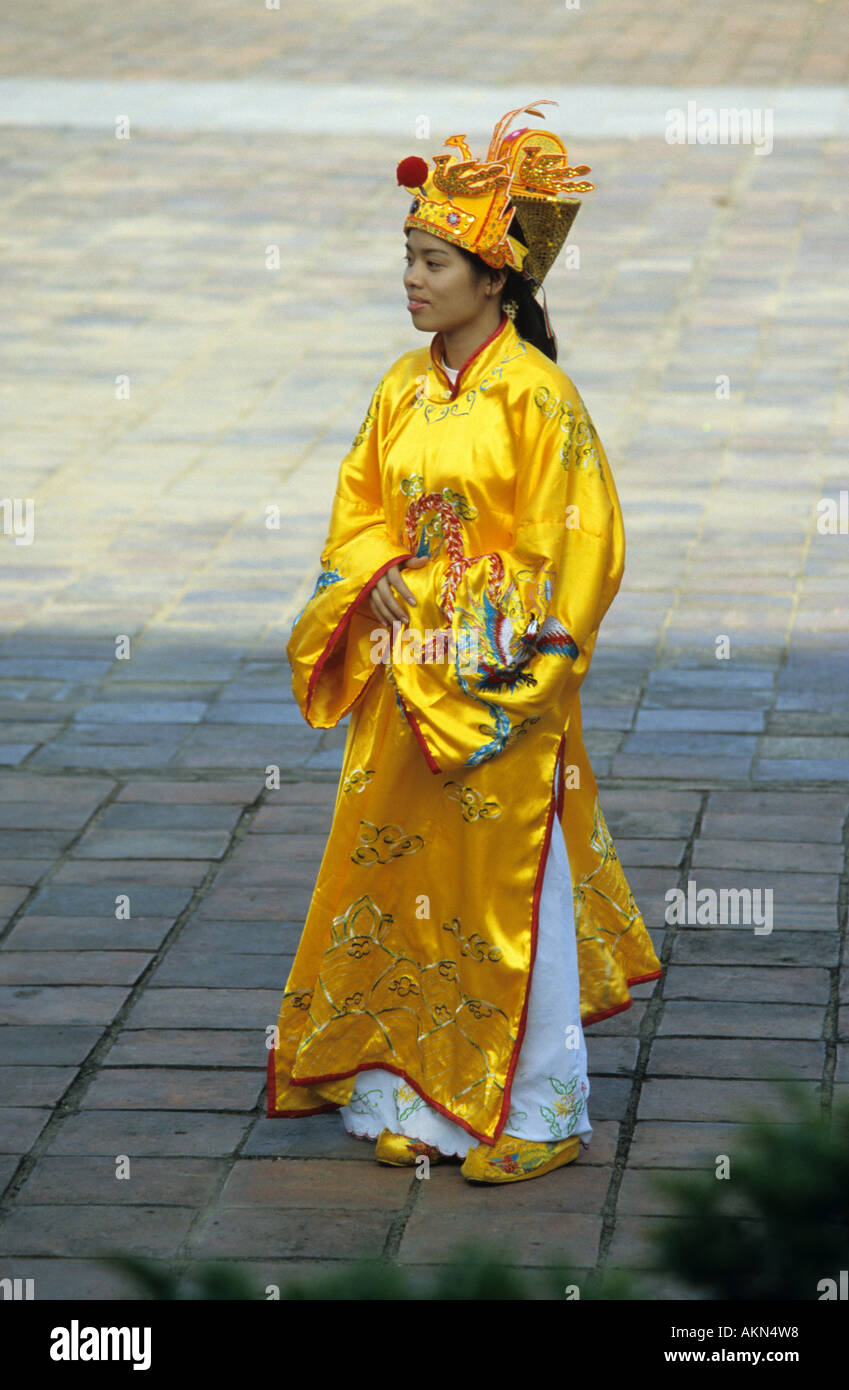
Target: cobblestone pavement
[(165, 392)]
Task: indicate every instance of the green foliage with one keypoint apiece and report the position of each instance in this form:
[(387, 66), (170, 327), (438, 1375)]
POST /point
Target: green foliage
[(471, 1272), (201, 1281), (779, 1224)]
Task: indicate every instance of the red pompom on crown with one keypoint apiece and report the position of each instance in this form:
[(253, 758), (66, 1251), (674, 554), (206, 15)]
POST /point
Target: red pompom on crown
[(412, 171)]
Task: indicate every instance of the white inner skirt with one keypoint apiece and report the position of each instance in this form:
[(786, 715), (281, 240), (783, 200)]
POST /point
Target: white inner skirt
[(550, 1089)]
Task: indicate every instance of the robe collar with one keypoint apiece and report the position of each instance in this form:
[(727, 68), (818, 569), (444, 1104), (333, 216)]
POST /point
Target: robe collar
[(479, 362)]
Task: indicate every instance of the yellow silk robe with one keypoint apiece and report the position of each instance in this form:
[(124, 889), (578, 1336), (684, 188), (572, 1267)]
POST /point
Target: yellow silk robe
[(418, 949)]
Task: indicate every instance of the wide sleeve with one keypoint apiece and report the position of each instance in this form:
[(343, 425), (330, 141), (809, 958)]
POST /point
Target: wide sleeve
[(329, 648), (496, 641)]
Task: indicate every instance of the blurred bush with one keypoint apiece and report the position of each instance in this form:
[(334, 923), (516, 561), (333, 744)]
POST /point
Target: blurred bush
[(780, 1223)]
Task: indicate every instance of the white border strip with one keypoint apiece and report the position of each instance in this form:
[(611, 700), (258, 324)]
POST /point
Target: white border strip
[(349, 109)]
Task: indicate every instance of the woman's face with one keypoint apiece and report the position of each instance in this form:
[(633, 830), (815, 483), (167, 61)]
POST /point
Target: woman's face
[(443, 290)]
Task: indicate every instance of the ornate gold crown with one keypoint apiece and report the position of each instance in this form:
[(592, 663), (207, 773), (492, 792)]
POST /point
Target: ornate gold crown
[(472, 202)]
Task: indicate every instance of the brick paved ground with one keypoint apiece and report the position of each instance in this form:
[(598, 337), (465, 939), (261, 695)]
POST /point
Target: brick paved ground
[(143, 774)]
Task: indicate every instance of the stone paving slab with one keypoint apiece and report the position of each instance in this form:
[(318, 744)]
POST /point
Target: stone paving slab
[(94, 967), (716, 945), (57, 1046), (51, 1005), (715, 1019), (182, 777), (324, 1232), (208, 1047), (159, 1181), (539, 1235), (68, 1229), (181, 1134), (735, 1058), (58, 934)]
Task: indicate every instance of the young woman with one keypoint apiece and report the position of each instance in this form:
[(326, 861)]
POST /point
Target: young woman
[(470, 915)]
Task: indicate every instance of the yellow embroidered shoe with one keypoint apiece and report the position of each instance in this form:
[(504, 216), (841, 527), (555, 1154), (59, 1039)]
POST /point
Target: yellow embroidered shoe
[(511, 1160), (401, 1152)]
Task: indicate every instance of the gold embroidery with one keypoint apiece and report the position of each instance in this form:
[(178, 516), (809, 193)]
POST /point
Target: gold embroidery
[(473, 945), (370, 417), (498, 370), (434, 413), (382, 845), (461, 506), (521, 727), (357, 779), (472, 803), (468, 178), (375, 1002), (576, 425), (605, 880), (362, 918), (412, 486), (404, 986)]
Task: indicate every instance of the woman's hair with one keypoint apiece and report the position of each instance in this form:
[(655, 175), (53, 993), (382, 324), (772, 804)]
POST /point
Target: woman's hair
[(529, 321)]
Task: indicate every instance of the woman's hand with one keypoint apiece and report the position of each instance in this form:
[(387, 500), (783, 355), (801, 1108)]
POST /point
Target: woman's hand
[(382, 602)]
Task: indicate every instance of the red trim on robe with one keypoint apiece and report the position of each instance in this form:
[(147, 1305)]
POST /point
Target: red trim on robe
[(455, 385), (346, 618), (396, 1071), (620, 1008), (271, 1078), (414, 725)]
